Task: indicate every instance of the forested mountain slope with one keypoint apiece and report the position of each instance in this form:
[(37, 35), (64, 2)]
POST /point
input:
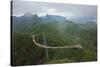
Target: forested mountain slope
[(58, 31)]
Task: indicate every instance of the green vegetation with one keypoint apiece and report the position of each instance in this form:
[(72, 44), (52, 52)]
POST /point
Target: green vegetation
[(25, 52)]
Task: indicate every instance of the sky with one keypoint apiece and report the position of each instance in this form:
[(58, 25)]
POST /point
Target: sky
[(43, 8)]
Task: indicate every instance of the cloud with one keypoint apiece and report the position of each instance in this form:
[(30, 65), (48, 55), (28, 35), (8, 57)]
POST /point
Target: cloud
[(43, 8)]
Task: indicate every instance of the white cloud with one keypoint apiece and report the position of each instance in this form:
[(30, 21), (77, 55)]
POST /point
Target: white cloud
[(41, 14), (50, 10), (42, 8), (54, 11)]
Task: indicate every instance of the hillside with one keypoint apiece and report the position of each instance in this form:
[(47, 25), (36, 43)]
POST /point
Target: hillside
[(58, 31)]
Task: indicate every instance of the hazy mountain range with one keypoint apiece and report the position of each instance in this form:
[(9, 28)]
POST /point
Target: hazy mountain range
[(27, 21), (57, 18)]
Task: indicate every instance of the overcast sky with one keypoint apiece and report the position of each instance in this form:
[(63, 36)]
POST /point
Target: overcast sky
[(42, 8)]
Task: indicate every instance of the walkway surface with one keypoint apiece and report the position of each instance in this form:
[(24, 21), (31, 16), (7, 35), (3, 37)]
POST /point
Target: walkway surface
[(54, 47)]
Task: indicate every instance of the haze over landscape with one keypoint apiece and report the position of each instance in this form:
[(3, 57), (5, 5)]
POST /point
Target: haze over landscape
[(49, 33), (41, 9)]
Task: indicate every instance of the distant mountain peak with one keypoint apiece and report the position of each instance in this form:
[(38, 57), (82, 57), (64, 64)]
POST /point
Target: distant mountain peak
[(27, 14)]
